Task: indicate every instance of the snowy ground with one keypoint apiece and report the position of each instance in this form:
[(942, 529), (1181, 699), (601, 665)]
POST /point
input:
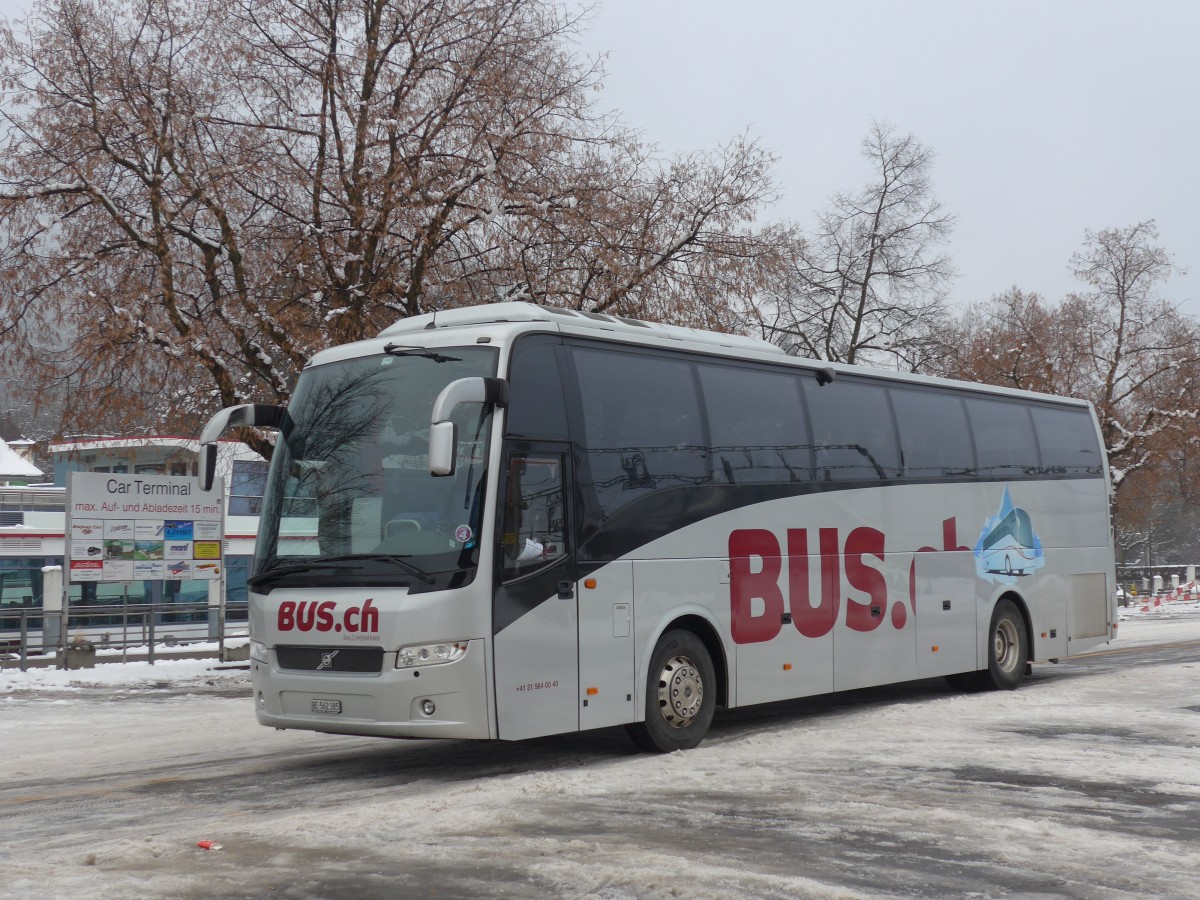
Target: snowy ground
[(1084, 783)]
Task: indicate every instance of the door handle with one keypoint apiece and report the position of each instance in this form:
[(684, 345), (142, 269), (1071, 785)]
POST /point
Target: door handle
[(566, 590)]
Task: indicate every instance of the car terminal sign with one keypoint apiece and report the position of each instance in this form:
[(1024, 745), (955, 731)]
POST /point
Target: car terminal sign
[(143, 527)]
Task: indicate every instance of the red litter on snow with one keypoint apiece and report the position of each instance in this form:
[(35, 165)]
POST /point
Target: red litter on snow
[(208, 845)]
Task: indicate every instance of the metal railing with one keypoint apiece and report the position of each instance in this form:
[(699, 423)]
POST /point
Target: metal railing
[(31, 636)]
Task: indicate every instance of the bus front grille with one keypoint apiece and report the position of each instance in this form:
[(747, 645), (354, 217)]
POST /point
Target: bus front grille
[(330, 659)]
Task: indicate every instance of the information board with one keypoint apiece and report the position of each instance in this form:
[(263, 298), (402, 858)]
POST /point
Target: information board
[(143, 527)]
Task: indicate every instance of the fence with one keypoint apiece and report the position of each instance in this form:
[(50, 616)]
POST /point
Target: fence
[(31, 636)]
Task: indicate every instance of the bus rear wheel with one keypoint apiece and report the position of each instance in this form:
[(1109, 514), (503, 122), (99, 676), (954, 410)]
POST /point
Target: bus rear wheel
[(1008, 647), (1008, 652), (681, 688)]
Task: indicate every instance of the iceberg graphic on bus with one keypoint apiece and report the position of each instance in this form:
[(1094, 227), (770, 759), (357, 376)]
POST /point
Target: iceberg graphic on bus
[(1008, 547)]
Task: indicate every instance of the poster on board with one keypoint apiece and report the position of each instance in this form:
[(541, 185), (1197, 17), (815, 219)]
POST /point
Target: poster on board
[(143, 527)]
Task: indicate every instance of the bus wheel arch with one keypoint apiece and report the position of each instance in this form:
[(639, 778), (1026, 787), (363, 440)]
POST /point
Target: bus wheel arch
[(706, 632), (685, 681), (1008, 647)]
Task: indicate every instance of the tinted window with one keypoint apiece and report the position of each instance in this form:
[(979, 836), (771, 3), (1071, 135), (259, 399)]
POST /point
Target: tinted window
[(1004, 441), (852, 428), (535, 393), (534, 513), (1067, 438), (756, 424), (642, 426), (935, 436)]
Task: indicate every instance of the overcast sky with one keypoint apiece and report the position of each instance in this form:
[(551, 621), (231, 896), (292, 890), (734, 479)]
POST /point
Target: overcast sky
[(1048, 118)]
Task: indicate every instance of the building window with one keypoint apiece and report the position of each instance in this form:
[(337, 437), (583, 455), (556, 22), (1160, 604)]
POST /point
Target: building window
[(246, 484)]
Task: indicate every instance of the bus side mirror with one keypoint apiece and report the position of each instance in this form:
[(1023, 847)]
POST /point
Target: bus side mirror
[(207, 466), (443, 448), (443, 435), (260, 414)]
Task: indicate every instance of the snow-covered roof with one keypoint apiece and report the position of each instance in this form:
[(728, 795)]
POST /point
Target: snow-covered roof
[(12, 466), (122, 443)]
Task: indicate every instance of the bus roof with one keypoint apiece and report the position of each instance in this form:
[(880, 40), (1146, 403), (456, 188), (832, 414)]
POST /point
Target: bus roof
[(437, 329), (497, 313)]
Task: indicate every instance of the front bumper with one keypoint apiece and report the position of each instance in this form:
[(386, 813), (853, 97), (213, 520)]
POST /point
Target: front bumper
[(391, 703)]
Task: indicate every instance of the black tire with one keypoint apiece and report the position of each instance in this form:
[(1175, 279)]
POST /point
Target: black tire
[(1008, 647), (681, 695)]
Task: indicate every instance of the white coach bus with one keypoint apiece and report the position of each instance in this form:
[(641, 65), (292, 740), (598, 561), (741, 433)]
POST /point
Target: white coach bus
[(511, 521)]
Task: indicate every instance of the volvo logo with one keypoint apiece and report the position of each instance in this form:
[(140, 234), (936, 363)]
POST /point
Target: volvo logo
[(327, 659)]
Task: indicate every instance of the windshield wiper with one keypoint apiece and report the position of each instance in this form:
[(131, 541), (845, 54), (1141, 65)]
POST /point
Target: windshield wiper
[(399, 350), (395, 560), (344, 561)]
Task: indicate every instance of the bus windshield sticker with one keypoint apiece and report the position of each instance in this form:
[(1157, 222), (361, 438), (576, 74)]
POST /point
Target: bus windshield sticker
[(463, 533), (1008, 547)]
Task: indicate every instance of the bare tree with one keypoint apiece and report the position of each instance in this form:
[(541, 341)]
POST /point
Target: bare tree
[(135, 272), (1018, 340), (1119, 345), (870, 281), (1145, 354), (194, 197), (664, 240)]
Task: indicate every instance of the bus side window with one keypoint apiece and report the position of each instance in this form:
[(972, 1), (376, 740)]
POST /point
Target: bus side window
[(935, 435), (642, 427), (536, 407), (757, 426), (1067, 438), (1004, 440), (853, 430), (534, 533)]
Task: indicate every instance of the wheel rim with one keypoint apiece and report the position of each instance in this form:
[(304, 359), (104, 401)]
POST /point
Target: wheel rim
[(1006, 645), (680, 692)]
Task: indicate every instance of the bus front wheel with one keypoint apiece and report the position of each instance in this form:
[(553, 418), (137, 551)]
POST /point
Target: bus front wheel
[(681, 688)]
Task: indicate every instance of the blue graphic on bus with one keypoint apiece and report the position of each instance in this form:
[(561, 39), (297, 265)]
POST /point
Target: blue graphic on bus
[(1008, 547)]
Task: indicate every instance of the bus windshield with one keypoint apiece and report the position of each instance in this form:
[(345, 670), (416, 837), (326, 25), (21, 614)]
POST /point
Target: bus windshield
[(349, 497)]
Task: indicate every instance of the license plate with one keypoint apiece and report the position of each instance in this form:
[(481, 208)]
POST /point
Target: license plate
[(327, 706)]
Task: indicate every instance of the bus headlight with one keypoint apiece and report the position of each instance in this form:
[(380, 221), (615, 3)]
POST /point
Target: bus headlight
[(258, 651), (430, 654)]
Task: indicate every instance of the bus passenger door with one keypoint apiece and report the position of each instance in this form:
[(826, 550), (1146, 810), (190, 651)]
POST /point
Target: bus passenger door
[(535, 619)]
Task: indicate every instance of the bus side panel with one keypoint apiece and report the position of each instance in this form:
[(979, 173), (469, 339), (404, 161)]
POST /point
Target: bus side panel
[(946, 612), (1089, 616), (537, 672), (898, 566), (1070, 600), (876, 639), (1046, 601), (668, 589), (606, 672), (790, 664)]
